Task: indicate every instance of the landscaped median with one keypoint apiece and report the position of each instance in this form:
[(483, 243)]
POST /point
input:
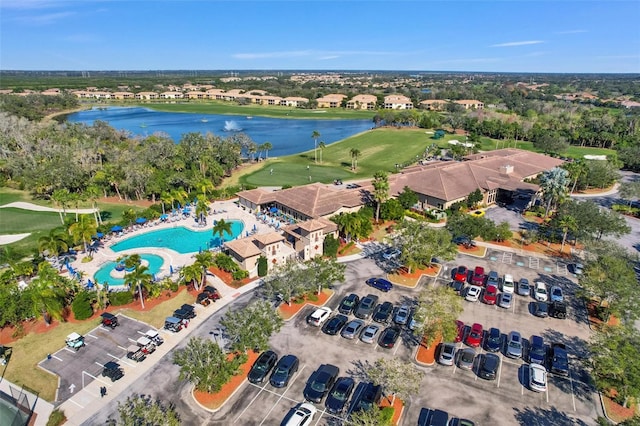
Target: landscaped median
[(287, 312), (214, 401), (404, 278), (398, 408)]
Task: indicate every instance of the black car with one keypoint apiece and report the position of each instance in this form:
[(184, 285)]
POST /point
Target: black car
[(339, 395), (461, 422), (349, 304), (109, 320), (558, 310), (366, 306), (429, 417), (320, 382), (559, 359), (383, 312), (380, 284), (537, 351), (541, 309), (284, 369), (493, 341), (489, 365), (389, 337), (335, 324), (370, 396), (112, 370), (262, 367), (457, 286)]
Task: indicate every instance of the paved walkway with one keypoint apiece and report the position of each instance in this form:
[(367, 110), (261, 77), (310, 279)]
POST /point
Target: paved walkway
[(613, 190), (12, 238), (37, 208)]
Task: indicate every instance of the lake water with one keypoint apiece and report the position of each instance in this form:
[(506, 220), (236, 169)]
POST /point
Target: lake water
[(288, 136)]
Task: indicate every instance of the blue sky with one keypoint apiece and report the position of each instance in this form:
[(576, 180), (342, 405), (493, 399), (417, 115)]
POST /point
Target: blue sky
[(508, 36)]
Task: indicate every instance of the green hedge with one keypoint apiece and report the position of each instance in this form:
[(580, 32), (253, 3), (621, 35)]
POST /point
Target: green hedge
[(120, 298), (81, 305)]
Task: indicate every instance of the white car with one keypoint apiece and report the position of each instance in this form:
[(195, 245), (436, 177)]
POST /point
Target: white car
[(319, 316), (508, 285), (303, 416), (447, 354), (473, 293), (556, 294), (537, 378), (505, 300), (540, 292)]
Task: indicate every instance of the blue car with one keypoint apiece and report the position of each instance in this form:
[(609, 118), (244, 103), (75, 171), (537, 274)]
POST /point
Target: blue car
[(380, 284)]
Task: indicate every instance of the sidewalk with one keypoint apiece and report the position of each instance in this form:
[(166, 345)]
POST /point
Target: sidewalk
[(87, 401)]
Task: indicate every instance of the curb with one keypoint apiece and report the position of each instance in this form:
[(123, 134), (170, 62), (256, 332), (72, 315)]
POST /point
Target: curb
[(604, 409), (308, 303), (215, 410), (437, 274)]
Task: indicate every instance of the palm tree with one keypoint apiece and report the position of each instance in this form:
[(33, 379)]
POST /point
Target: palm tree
[(567, 223), (380, 190), (204, 260), (220, 228), (315, 135), (191, 274), (321, 145), (92, 193), (61, 198), (554, 185), (166, 197), (179, 195), (355, 153), (139, 278), (54, 242), (202, 208), (83, 230), (46, 294), (205, 187), (576, 170), (267, 146)]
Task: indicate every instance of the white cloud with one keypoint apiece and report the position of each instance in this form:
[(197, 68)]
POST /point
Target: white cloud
[(517, 43)]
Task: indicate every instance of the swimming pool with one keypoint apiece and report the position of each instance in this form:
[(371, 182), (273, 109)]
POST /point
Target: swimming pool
[(179, 239), (103, 275)]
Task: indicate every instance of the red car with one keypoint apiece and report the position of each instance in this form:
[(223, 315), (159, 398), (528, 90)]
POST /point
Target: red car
[(460, 335), (475, 336), (490, 294), (478, 276), (461, 274)]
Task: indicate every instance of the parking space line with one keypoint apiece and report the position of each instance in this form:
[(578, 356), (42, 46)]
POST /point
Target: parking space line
[(282, 396), (59, 359), (534, 262), (131, 340), (69, 350), (507, 257), (124, 349), (91, 335), (251, 402), (141, 333), (573, 397), (561, 268), (500, 370), (101, 365)]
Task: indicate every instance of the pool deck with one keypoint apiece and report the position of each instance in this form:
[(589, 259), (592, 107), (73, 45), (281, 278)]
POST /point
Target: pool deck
[(226, 210)]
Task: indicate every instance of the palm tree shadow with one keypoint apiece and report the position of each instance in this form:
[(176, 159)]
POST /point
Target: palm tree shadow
[(544, 417)]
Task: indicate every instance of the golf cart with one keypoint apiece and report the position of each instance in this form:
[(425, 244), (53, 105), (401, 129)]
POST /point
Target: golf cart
[(75, 341), (155, 337), (112, 370), (5, 354), (203, 299), (173, 324), (213, 293), (109, 320), (134, 352), (146, 345)]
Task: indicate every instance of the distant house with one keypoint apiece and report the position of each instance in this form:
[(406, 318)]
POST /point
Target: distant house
[(397, 102), (293, 101), (123, 95), (171, 95), (331, 101), (470, 104), (364, 102), (307, 238), (433, 104), (146, 96)]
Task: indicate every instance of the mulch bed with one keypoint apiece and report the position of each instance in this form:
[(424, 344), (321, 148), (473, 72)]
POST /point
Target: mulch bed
[(596, 322), (214, 401), (427, 355), (227, 278), (402, 276), (615, 411), (398, 406), (289, 311)]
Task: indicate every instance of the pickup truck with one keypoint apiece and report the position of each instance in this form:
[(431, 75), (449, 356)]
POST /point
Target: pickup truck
[(559, 359)]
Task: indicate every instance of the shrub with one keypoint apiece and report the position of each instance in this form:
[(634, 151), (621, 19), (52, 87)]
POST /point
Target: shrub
[(263, 267), (239, 274), (174, 286), (387, 415), (120, 298), (330, 248), (346, 247), (56, 418), (81, 305)]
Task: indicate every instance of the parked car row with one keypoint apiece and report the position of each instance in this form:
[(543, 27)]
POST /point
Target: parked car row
[(553, 358), (431, 417)]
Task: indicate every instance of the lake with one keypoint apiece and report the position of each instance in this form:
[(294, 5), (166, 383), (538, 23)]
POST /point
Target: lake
[(288, 136)]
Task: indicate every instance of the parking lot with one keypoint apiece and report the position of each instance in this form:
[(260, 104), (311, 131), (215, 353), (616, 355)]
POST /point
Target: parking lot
[(78, 368), (505, 401)]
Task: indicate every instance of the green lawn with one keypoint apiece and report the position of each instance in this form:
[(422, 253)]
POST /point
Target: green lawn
[(220, 107), (17, 221), (380, 149)]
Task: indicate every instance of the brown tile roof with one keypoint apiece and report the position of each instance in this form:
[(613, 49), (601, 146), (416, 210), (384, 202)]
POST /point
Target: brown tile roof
[(244, 247), (270, 238), (258, 196), (312, 225), (318, 199)]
